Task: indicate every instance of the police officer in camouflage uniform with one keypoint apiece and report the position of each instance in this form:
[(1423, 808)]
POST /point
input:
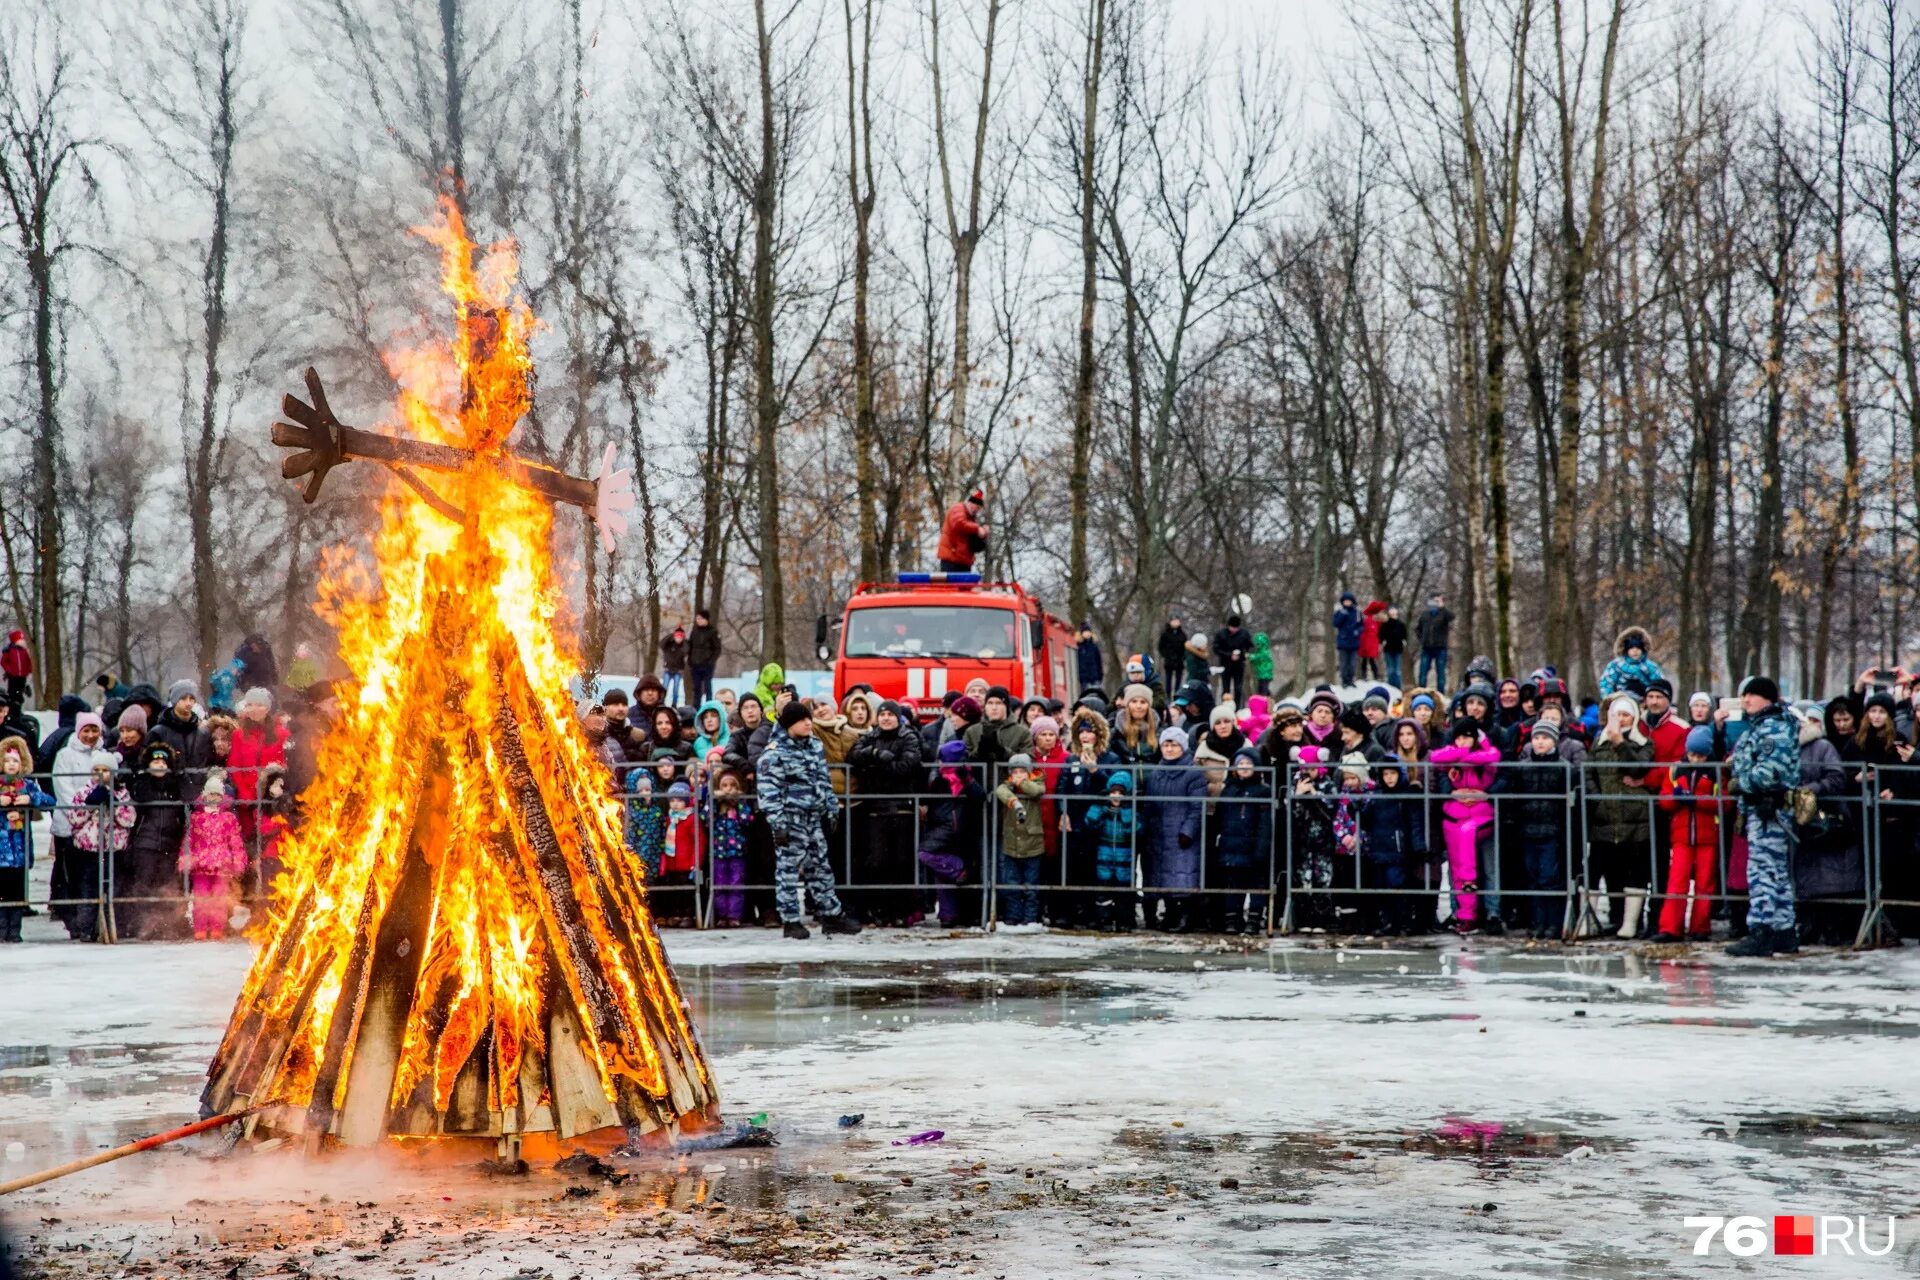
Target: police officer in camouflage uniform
[(796, 797), (1766, 767)]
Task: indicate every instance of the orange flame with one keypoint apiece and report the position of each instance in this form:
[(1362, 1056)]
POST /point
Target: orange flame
[(458, 674)]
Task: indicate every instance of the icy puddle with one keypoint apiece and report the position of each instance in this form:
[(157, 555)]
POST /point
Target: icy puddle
[(1143, 1108)]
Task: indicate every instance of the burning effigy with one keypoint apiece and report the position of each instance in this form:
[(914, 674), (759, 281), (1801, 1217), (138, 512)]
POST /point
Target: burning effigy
[(459, 941)]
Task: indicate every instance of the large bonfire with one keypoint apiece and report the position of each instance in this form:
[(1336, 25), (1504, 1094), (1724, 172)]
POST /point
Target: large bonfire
[(459, 942)]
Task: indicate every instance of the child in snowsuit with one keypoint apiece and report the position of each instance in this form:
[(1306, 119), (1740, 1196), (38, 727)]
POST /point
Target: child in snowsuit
[(1243, 843), (1023, 840), (1632, 669), (1539, 781), (1314, 787), (214, 856), (272, 823), (1112, 825), (679, 856), (1692, 793), (1471, 763), (16, 660), (1261, 663), (100, 832), (950, 836), (1394, 839), (646, 823), (20, 795), (727, 847)]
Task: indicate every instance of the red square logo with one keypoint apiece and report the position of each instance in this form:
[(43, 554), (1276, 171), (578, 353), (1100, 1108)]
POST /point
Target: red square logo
[(1793, 1235)]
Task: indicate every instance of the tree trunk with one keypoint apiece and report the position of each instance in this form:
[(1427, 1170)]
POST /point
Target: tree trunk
[(1567, 622), (1841, 537), (766, 395), (1080, 587), (859, 166), (964, 240), (46, 481), (200, 495)]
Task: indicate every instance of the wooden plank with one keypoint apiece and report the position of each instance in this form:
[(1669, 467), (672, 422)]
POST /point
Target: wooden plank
[(578, 1101), (396, 969)]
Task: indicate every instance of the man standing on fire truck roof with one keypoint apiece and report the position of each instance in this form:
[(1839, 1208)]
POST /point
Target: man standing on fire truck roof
[(963, 534)]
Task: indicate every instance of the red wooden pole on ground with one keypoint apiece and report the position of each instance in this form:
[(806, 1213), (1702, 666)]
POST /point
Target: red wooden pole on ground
[(104, 1157)]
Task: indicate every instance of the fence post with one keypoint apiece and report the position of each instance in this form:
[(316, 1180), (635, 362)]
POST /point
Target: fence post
[(1569, 781), (990, 856), (1286, 912), (1871, 890)]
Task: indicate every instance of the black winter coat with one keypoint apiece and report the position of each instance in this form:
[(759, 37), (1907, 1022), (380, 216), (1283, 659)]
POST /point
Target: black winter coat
[(1393, 822), (1243, 818), (952, 823), (160, 821), (193, 750), (1541, 782), (1172, 648), (888, 764), (1228, 641), (703, 646), (1078, 782), (1087, 655)]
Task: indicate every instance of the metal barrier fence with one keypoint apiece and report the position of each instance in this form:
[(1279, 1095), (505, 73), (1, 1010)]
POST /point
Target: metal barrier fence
[(109, 888), (1589, 883), (931, 850)]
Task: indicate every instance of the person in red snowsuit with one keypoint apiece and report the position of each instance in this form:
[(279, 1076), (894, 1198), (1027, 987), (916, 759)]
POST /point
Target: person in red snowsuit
[(1692, 793), (963, 534), (1370, 638), (16, 662)]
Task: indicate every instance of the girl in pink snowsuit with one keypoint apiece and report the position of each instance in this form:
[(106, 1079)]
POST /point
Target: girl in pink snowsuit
[(214, 855), (1472, 762)]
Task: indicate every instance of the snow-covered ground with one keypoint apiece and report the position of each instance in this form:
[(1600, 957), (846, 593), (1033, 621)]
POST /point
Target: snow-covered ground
[(1141, 1108)]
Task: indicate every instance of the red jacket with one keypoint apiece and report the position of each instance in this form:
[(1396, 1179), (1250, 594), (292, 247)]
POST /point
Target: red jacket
[(683, 845), (1370, 628), (16, 661), (1669, 739), (1047, 768), (961, 538), (1693, 797), (254, 748)]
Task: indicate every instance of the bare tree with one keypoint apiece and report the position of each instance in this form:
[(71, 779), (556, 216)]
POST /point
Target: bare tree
[(193, 94), (49, 187), (964, 228), (860, 194), (1566, 629), (1079, 132)]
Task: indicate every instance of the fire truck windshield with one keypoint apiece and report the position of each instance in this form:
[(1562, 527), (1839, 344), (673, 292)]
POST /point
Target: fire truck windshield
[(932, 631)]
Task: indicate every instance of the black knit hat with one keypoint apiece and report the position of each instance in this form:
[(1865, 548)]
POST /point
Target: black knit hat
[(793, 713), (1355, 720), (1761, 687), (1660, 684)]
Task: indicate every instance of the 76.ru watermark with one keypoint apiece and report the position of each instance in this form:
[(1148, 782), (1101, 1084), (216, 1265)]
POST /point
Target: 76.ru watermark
[(1806, 1235)]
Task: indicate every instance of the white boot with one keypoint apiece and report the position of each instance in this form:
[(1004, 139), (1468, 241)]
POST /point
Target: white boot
[(1630, 922)]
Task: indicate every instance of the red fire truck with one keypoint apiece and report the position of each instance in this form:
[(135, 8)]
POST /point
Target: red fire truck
[(931, 632)]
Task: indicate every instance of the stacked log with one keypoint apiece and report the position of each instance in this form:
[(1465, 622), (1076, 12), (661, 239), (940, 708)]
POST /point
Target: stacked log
[(612, 1042)]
